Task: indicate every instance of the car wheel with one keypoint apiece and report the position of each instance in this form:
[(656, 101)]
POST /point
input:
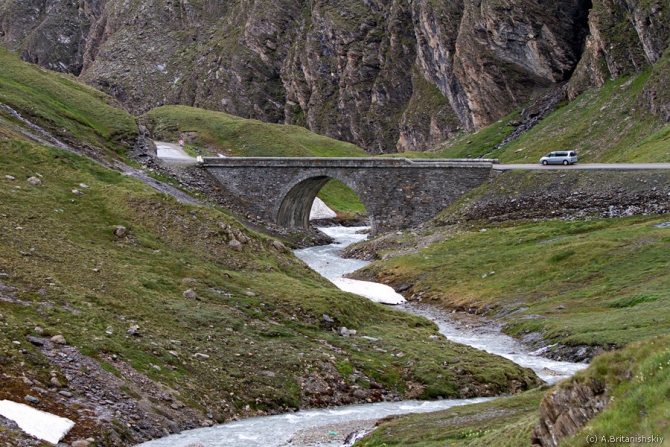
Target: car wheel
[(566, 162), (545, 162)]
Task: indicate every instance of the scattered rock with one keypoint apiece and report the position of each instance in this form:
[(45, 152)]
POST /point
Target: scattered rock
[(189, 280), (174, 428), (360, 394), (133, 330), (76, 192), (343, 331), (58, 339), (55, 382), (278, 246), (34, 181), (35, 340), (201, 355), (190, 294), (83, 185), (38, 330), (235, 245), (65, 393), (32, 400), (328, 319), (10, 177), (250, 294), (120, 231), (80, 443)]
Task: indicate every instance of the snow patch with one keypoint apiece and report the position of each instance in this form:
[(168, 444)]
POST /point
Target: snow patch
[(379, 293), (42, 425), (321, 211)]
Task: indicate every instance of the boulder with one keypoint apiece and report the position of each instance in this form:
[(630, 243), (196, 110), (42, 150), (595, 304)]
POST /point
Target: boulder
[(120, 231), (59, 339), (281, 248), (190, 294)]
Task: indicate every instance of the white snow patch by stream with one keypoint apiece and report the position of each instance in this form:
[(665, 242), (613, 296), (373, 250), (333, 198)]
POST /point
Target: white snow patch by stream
[(321, 211), (42, 425), (379, 293)]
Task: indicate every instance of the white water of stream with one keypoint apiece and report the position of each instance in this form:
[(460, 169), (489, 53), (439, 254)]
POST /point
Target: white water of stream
[(276, 431)]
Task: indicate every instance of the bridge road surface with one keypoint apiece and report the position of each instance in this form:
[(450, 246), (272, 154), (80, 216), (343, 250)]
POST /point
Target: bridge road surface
[(173, 154), (586, 167)]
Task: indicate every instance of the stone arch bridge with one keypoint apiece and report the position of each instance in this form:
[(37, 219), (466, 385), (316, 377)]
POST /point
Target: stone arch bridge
[(397, 192)]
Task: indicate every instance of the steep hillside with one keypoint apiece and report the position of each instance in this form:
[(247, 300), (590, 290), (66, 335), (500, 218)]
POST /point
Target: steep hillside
[(604, 125), (211, 133), (385, 75), (59, 110)]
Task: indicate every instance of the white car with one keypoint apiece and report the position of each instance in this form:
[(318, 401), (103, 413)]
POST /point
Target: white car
[(559, 158)]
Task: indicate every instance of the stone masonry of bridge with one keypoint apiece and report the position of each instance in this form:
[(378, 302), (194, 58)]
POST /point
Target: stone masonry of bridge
[(397, 193)]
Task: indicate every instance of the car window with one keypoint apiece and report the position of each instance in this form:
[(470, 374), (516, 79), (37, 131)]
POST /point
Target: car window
[(561, 154)]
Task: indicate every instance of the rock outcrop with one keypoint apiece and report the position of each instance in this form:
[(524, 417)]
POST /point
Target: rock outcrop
[(566, 410), (387, 75)]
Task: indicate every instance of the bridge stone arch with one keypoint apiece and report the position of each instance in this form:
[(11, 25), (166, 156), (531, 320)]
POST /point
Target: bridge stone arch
[(296, 204), (397, 193)]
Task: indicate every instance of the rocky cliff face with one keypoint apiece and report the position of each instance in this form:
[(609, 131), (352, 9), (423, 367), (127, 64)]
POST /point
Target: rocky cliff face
[(388, 75)]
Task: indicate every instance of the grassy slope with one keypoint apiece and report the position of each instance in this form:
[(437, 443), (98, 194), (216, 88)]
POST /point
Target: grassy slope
[(506, 422), (217, 132), (211, 133), (58, 238), (551, 277), (636, 378), (68, 109), (607, 125)]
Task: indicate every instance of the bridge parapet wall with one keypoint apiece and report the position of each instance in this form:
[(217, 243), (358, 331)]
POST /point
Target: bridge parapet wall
[(353, 162)]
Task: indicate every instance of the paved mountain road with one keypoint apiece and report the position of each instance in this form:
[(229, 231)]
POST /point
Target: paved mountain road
[(172, 153), (587, 167)]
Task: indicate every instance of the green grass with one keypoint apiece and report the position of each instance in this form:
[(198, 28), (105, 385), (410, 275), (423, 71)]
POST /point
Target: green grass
[(604, 125), (71, 111), (503, 422), (597, 282), (78, 279), (217, 132)]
